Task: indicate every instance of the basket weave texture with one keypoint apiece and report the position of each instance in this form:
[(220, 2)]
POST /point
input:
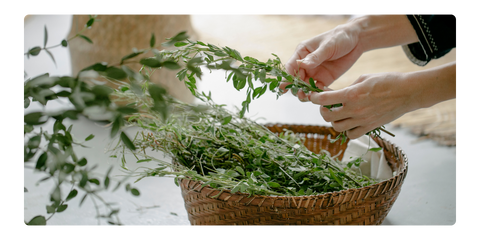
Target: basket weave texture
[(363, 206)]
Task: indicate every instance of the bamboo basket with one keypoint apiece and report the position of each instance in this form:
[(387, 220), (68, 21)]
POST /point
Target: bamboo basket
[(363, 206)]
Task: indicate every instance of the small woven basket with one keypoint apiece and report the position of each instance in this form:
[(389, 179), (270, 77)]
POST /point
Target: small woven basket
[(363, 206)]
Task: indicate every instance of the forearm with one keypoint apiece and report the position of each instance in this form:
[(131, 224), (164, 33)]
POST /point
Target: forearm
[(432, 86), (383, 31)]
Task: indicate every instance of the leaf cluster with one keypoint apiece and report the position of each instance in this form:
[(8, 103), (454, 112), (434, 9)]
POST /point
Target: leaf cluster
[(53, 153), (229, 152), (241, 71)]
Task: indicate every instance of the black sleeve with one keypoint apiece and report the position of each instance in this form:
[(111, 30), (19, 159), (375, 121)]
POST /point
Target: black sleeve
[(436, 35)]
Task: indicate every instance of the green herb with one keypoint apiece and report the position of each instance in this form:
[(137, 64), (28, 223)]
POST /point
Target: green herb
[(226, 151), (270, 73)]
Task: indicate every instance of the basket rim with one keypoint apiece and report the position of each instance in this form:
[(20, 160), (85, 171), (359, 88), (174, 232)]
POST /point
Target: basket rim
[(394, 181)]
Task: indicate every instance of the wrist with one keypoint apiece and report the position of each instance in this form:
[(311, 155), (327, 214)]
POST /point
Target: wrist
[(432, 86), (383, 31)]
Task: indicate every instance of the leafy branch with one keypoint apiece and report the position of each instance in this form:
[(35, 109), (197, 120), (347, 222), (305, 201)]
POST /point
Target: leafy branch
[(242, 71)]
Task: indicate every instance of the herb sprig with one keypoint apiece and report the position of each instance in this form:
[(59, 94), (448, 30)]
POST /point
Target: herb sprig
[(242, 71), (230, 152)]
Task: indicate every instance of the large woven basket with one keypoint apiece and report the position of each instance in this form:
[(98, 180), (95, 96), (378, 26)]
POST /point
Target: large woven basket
[(363, 206)]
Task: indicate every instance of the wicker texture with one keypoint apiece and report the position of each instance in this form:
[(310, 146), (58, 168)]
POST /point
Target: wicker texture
[(364, 206)]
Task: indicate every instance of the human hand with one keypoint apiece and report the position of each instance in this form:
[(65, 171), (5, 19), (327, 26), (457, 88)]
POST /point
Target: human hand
[(370, 102), (325, 57)]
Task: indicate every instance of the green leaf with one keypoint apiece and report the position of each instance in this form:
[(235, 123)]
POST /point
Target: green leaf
[(227, 120), (90, 137), (240, 170), (131, 55), (375, 149), (34, 141), (100, 90), (45, 37), (135, 192), (86, 38), (34, 51), (90, 22), (273, 184), (180, 44), (50, 209), (144, 160), (150, 62), (177, 38), (152, 41), (127, 110), (115, 73), (334, 176), (117, 123), (62, 207), (128, 143), (82, 162), (106, 182), (64, 43), (171, 65), (38, 220), (312, 83), (94, 181), (33, 118), (41, 161)]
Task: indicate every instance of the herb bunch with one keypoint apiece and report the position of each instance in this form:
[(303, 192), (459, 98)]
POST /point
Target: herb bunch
[(230, 152), (242, 71)]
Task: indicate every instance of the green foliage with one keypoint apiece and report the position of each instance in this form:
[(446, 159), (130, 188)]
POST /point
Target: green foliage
[(53, 153), (222, 149), (226, 151)]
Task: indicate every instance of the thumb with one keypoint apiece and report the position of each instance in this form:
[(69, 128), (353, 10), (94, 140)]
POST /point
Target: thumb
[(314, 59), (328, 97)]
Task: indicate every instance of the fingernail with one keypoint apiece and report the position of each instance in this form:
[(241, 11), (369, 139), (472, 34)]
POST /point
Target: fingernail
[(304, 99)]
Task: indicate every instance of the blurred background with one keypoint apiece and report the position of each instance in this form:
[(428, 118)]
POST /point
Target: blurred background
[(428, 136)]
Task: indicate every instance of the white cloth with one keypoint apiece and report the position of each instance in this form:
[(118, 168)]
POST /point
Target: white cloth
[(375, 165)]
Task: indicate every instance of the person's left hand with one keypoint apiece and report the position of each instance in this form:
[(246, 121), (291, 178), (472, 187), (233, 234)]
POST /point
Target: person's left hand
[(371, 101)]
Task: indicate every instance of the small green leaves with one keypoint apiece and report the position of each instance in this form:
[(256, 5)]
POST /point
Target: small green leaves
[(375, 149), (128, 143), (150, 62), (38, 220), (115, 73), (227, 119), (90, 137), (34, 51), (64, 43), (171, 65), (72, 194), (90, 22), (85, 38), (133, 191), (312, 83), (240, 170), (177, 38), (152, 40), (274, 184), (45, 37), (131, 55), (180, 44)]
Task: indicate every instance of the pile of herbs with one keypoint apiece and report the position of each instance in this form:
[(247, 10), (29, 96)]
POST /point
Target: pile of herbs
[(219, 148)]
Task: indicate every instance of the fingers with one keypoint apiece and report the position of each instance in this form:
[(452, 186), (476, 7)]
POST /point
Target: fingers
[(329, 97), (352, 128), (315, 58)]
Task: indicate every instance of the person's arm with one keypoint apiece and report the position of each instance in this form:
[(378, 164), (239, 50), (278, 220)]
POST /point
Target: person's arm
[(384, 31), (377, 99), (327, 56)]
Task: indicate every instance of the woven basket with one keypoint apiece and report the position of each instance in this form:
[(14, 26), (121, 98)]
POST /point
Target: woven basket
[(363, 206)]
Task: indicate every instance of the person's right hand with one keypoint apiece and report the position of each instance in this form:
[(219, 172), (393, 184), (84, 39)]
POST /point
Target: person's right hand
[(325, 57)]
